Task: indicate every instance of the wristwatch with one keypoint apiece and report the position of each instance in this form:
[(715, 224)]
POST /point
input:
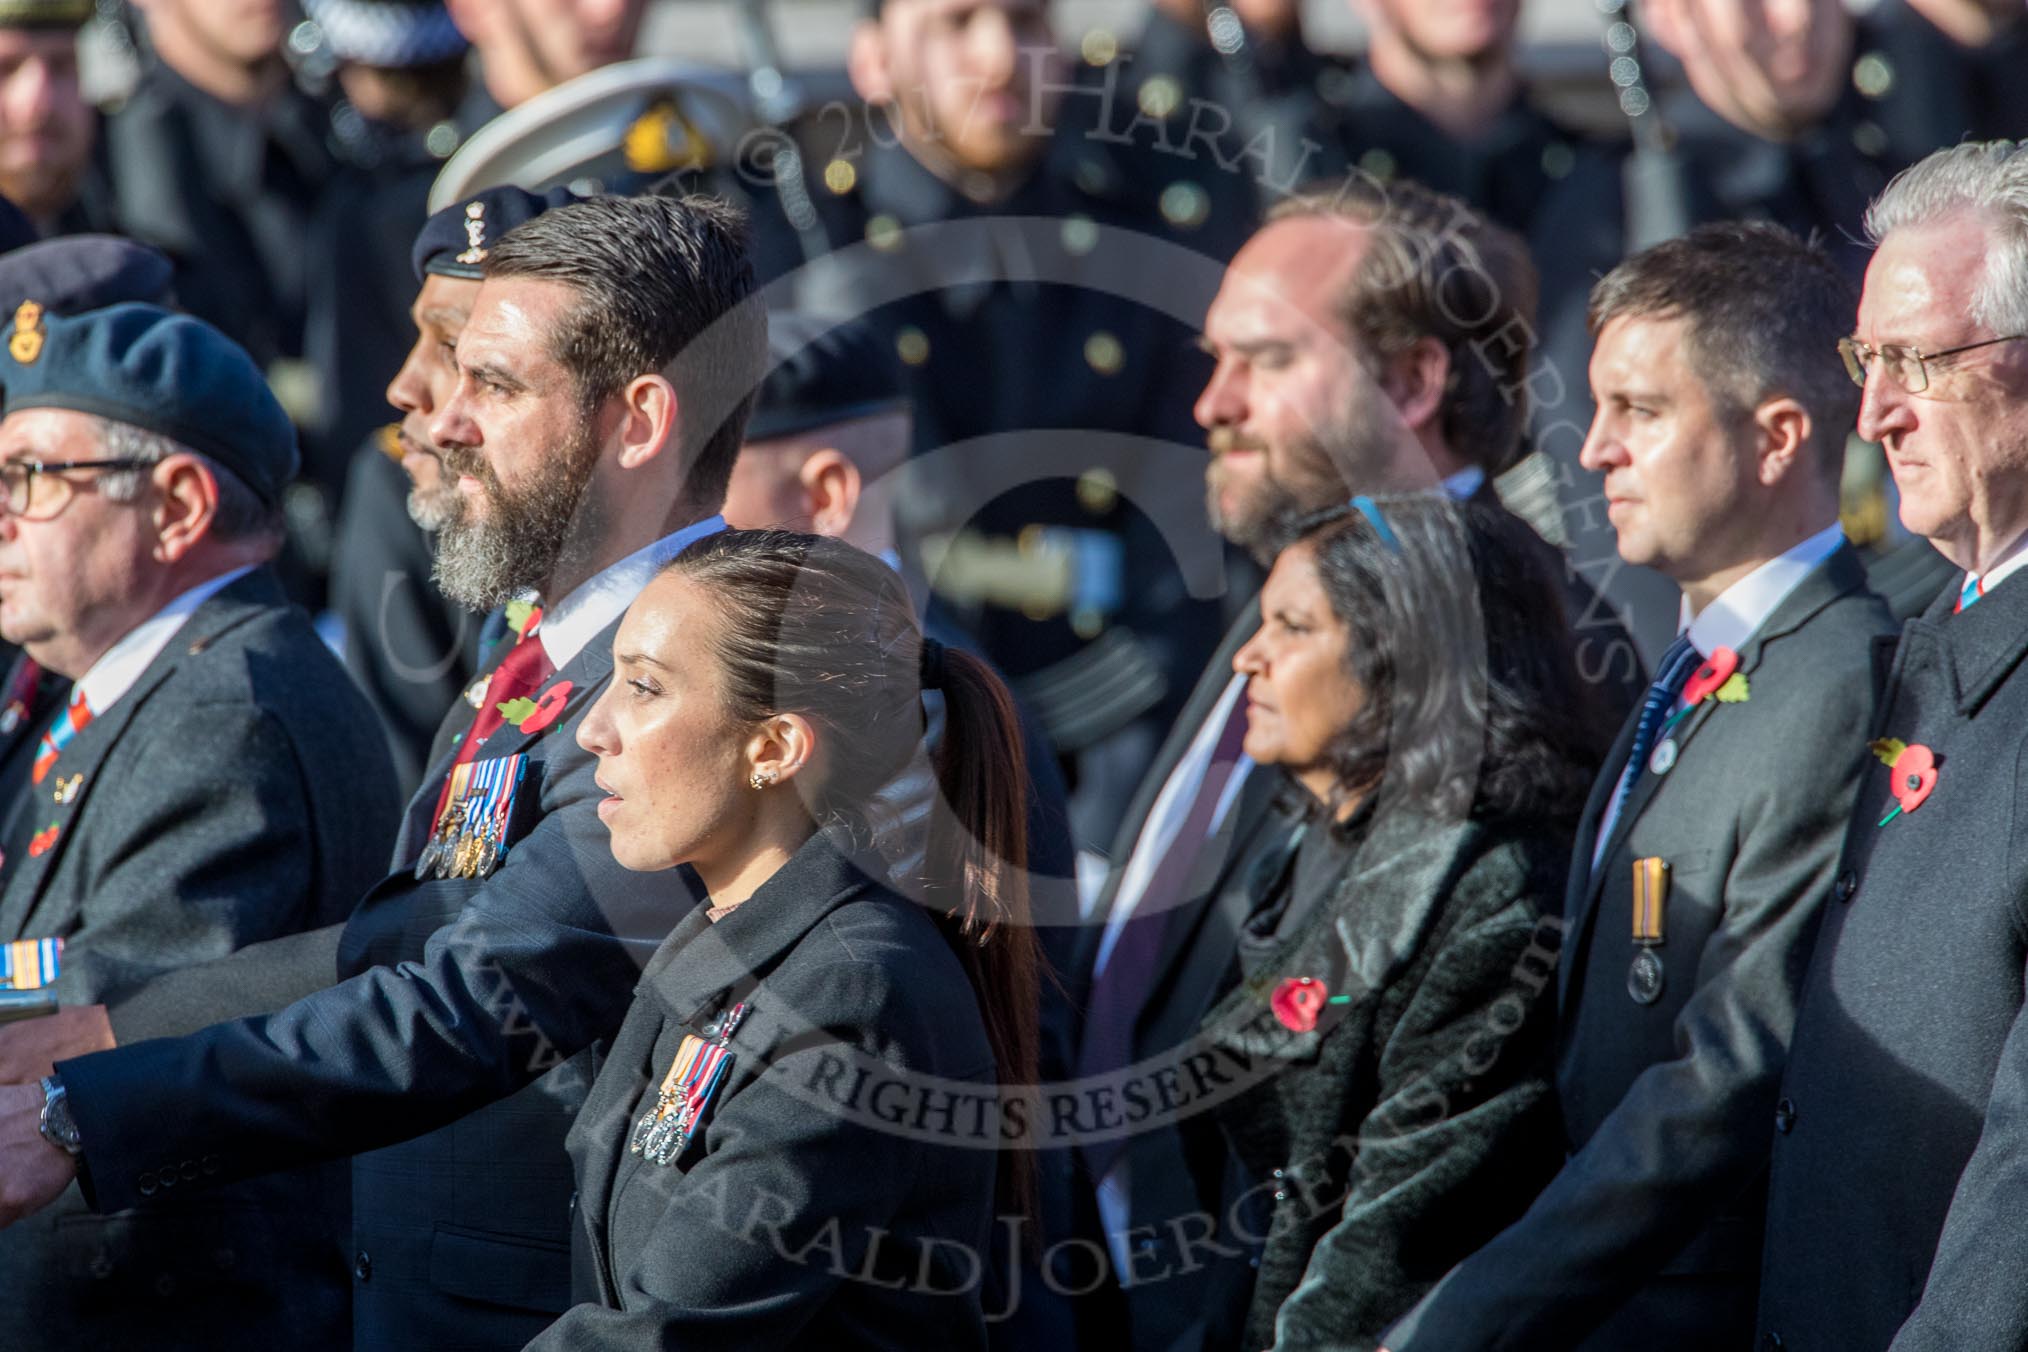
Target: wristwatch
[(55, 1124)]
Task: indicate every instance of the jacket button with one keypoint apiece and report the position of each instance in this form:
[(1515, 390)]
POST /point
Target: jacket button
[(1281, 1195), (1279, 1173), (101, 1264), (1771, 1342), (1848, 884), (362, 1266), (145, 1185), (1785, 1117)]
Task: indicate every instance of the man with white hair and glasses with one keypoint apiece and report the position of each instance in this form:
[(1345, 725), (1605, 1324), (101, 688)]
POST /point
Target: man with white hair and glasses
[(1900, 1166)]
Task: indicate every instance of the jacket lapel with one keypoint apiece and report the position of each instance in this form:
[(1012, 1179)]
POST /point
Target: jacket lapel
[(1203, 700), (42, 807), (586, 673), (1839, 575)]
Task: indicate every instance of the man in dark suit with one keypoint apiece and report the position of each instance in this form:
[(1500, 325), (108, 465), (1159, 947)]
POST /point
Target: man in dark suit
[(1343, 366), (1715, 825), (1898, 1174), (520, 937), (202, 787)]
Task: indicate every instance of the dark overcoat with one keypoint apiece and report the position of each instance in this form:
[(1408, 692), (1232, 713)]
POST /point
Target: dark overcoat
[(825, 1199), (1900, 1171), (1415, 1119)]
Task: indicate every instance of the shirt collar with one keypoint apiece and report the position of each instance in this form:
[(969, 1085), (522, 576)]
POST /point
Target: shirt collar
[(119, 666), (579, 617), (1465, 482), (2010, 562), (1731, 619)]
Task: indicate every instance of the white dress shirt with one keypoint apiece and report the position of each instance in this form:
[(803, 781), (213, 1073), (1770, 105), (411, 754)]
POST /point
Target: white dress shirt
[(596, 602), (119, 666)]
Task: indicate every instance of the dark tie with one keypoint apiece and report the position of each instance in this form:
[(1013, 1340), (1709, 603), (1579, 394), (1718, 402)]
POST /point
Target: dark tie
[(1677, 663), (1122, 987)]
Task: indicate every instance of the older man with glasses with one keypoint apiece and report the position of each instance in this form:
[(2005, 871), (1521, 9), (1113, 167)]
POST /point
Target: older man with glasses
[(1900, 1167), (207, 777)]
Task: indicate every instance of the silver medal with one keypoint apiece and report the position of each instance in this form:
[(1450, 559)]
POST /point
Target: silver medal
[(1663, 758), (1645, 977)]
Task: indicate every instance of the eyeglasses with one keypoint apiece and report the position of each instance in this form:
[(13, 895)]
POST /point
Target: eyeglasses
[(1907, 367), (19, 479)]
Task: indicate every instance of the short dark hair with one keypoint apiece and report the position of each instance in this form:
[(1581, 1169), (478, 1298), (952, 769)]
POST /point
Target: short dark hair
[(666, 287), (1437, 268), (1764, 311), (1461, 647)]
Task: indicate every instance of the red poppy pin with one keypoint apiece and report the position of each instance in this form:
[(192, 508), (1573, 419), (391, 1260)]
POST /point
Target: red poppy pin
[(533, 715), (1300, 999), (42, 841), (1719, 678), (1913, 766)]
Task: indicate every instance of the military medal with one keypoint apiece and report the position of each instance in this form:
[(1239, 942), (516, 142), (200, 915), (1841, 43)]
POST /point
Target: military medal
[(66, 789), (30, 964), (475, 693), (1651, 902), (470, 838), (694, 1076)]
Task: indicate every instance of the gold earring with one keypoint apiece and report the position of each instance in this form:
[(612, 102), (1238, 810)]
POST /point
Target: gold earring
[(760, 781)]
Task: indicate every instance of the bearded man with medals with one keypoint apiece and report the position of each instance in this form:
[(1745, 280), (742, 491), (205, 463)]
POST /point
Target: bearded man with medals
[(1714, 828)]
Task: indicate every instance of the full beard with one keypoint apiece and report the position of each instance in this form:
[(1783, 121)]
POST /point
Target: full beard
[(524, 536)]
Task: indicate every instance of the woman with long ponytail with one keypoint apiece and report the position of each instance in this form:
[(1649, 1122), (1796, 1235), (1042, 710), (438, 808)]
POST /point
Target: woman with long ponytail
[(796, 1138)]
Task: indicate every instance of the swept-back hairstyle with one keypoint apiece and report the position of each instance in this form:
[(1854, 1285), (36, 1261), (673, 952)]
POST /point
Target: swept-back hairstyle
[(1459, 644), (664, 286), (813, 626)]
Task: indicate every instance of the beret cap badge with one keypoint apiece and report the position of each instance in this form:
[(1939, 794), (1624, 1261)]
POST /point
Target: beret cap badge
[(26, 343), (475, 235)]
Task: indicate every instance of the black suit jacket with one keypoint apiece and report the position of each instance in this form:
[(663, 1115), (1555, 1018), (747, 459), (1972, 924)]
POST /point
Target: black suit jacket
[(840, 977), (1667, 1105), (1899, 1173), (227, 797)]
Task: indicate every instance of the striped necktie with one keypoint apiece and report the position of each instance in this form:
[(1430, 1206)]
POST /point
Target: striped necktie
[(68, 724), (1677, 663), (1968, 595)]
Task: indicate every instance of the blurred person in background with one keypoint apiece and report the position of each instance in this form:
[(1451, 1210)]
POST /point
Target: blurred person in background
[(49, 135), (982, 233)]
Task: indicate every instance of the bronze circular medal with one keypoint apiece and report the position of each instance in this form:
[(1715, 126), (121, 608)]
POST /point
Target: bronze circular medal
[(427, 861), (1644, 978)]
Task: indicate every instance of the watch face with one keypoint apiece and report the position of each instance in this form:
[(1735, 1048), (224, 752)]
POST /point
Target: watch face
[(56, 1125)]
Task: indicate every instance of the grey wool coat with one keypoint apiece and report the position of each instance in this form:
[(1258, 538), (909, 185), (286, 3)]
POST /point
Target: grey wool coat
[(1415, 1119), (1900, 1169), (808, 1208), (239, 791)]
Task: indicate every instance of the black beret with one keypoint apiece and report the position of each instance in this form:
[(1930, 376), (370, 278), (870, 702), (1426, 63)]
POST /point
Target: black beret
[(45, 13), (166, 372), (822, 372), (392, 34), (454, 242), (76, 273)]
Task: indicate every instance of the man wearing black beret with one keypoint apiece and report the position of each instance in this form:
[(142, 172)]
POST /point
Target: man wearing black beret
[(204, 785), (412, 651)]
